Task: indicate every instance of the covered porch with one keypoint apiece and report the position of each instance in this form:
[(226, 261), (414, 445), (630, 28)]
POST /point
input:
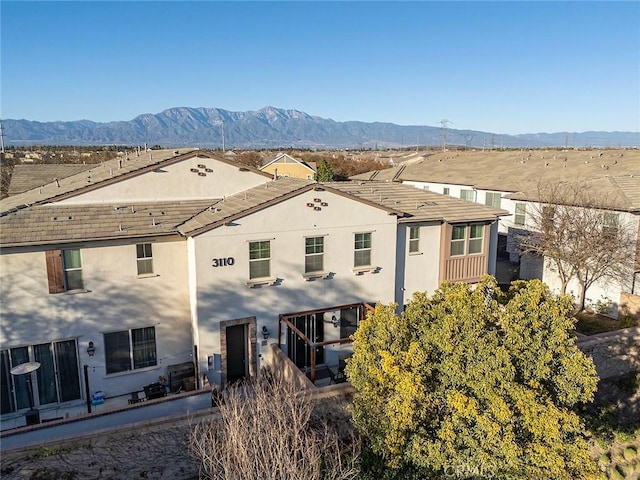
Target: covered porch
[(318, 341)]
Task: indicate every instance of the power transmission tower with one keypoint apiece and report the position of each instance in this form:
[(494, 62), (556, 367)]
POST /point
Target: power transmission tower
[(223, 136), (1, 137), (444, 124)]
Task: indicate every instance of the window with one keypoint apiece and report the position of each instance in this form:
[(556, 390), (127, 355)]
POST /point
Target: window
[(259, 259), (520, 213), (130, 349), (468, 195), (58, 377), (72, 269), (493, 199), (64, 270), (445, 191), (458, 239), (362, 250), (461, 245), (425, 187), (610, 220), (476, 233), (144, 257), (313, 254), (414, 239)]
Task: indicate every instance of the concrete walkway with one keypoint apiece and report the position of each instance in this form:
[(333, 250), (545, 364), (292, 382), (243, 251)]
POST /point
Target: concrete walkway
[(144, 414)]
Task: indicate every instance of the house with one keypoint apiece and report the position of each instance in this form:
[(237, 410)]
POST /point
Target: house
[(284, 165), (117, 275), (509, 180)]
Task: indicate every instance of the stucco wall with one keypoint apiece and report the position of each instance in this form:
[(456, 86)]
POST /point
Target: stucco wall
[(116, 299), (222, 292), (176, 182)]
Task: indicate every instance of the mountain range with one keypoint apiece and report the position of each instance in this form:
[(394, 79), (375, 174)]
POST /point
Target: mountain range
[(272, 127)]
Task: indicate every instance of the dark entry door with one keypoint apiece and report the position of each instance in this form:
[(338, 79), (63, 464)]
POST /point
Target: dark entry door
[(236, 353), (313, 328)]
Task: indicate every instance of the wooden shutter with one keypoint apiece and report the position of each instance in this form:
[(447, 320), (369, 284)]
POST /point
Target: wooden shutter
[(55, 271)]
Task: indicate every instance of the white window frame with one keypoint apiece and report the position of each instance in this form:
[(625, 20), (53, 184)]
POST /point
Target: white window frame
[(414, 239), (475, 240), (493, 199), (72, 269), (362, 238), (144, 263), (520, 213), (311, 253), (458, 241), (468, 195), (256, 264)]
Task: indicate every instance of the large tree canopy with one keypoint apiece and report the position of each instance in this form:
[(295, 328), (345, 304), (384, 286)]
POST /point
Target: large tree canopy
[(471, 382)]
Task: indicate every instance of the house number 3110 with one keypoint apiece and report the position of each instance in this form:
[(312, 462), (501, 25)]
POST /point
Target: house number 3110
[(223, 262)]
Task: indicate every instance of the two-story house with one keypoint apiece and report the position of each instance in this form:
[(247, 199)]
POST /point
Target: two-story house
[(164, 258), (509, 180)]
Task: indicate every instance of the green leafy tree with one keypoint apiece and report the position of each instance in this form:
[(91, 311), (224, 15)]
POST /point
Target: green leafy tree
[(324, 172), (469, 382)]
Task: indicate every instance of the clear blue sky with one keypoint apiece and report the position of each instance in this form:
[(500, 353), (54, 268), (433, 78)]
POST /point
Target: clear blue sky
[(503, 67)]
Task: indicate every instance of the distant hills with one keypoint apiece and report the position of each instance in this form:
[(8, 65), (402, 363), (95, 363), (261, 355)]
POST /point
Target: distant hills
[(277, 128)]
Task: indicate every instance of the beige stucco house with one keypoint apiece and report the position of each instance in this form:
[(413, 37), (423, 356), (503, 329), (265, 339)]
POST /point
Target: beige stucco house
[(164, 259)]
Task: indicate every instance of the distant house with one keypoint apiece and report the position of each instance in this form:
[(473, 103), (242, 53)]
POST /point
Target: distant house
[(285, 165), (149, 262), (506, 179)]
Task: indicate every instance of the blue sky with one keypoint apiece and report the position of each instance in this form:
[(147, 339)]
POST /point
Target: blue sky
[(504, 67)]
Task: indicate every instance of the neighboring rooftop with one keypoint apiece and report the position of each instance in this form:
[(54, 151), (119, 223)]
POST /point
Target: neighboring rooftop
[(27, 177), (522, 170), (415, 204)]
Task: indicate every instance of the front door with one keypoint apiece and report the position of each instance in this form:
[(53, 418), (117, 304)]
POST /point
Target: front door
[(313, 328), (236, 353)]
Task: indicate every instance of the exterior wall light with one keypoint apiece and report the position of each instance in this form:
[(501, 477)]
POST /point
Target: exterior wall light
[(91, 349), (335, 321), (265, 332)]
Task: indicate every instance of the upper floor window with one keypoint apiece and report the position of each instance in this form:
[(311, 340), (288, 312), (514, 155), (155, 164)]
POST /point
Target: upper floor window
[(64, 270), (72, 269), (520, 213), (445, 191), (458, 239), (610, 220), (259, 259), (144, 258), (414, 239), (313, 254), (468, 195), (425, 187), (493, 199), (476, 237), (467, 239), (362, 250), (130, 349)]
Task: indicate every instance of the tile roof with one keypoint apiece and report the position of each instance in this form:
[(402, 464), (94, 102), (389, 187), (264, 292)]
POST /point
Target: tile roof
[(244, 203), (414, 204), (522, 170), (409, 203), (55, 223), (105, 173), (27, 177), (52, 224)]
